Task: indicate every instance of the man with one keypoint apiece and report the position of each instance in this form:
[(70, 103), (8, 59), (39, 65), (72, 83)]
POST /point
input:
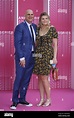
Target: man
[(24, 49)]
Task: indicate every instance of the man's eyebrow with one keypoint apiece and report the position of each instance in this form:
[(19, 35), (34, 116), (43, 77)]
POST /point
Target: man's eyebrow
[(29, 14)]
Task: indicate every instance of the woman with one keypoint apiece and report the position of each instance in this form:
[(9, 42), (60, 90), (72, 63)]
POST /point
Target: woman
[(46, 50)]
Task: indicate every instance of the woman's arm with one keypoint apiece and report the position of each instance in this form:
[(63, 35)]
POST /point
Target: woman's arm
[(55, 45)]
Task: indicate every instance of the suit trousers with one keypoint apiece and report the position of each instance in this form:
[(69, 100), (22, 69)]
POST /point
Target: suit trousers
[(22, 79)]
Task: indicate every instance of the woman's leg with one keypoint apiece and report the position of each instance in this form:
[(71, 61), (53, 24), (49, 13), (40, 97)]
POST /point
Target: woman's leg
[(41, 89), (46, 85)]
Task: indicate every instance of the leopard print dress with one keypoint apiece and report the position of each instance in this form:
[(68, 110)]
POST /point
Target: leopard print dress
[(44, 52)]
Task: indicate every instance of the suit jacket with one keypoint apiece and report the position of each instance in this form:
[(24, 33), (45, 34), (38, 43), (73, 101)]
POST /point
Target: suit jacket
[(23, 40)]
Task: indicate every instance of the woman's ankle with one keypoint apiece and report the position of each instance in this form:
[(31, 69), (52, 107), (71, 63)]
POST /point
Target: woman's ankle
[(41, 102)]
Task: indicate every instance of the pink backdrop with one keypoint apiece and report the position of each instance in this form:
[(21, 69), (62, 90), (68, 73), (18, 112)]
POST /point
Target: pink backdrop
[(61, 17), (6, 44)]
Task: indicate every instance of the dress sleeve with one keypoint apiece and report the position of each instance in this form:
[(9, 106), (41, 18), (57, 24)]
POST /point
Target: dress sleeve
[(55, 33)]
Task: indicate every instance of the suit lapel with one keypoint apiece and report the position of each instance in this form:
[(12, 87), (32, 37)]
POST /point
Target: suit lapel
[(26, 28)]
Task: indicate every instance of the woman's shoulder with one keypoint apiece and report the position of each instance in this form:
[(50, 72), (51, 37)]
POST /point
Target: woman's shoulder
[(52, 27)]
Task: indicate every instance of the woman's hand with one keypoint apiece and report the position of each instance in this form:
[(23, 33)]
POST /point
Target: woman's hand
[(54, 61)]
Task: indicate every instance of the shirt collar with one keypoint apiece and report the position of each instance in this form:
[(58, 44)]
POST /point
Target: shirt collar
[(28, 24)]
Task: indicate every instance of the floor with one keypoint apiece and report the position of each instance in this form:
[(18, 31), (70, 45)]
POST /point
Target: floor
[(61, 100)]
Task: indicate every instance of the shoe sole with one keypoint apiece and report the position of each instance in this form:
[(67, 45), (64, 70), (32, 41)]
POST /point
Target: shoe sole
[(26, 105), (46, 105), (13, 108), (30, 105)]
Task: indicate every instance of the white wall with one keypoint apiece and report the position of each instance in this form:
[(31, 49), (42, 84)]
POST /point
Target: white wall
[(15, 12)]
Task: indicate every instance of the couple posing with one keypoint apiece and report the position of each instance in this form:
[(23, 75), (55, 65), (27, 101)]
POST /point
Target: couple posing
[(30, 39)]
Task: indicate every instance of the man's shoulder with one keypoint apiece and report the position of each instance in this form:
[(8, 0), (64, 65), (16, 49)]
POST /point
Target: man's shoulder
[(20, 24), (34, 25)]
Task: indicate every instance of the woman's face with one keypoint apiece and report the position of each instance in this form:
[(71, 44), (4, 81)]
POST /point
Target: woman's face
[(44, 20)]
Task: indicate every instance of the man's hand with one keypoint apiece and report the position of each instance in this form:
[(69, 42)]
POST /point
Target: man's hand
[(22, 63)]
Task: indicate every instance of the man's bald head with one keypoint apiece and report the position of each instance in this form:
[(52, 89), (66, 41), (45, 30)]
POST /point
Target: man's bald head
[(29, 15)]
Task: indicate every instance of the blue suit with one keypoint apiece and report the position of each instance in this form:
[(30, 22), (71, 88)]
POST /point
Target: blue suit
[(23, 48)]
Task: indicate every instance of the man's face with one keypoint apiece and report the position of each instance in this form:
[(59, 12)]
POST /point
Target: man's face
[(29, 16)]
